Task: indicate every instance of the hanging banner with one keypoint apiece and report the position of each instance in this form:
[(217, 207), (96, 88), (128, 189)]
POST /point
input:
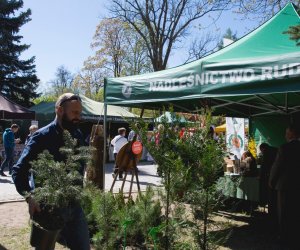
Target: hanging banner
[(235, 136)]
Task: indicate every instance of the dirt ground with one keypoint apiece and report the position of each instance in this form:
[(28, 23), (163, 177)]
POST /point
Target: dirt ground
[(15, 226), (14, 214), (247, 232)]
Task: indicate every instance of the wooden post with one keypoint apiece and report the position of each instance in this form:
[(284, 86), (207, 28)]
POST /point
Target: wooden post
[(95, 170)]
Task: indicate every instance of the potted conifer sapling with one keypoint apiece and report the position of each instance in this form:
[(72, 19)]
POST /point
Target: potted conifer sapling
[(58, 185)]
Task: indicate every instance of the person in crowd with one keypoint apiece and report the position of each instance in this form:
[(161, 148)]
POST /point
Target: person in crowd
[(32, 129), (249, 163), (9, 143), (158, 134), (284, 177), (212, 133), (268, 195), (118, 142), (132, 133), (68, 108)]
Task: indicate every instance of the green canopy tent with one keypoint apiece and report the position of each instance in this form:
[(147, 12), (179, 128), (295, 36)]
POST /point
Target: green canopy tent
[(92, 111), (255, 77)]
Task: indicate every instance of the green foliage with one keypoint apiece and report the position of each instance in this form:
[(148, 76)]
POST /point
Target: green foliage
[(190, 167), (45, 98), (104, 212), (146, 213), (18, 79), (107, 215), (99, 96), (59, 183)]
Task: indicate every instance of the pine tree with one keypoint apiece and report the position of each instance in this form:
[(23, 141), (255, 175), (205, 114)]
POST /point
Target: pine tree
[(18, 79), (58, 184), (294, 32)]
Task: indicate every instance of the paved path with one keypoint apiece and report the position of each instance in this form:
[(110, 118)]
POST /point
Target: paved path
[(7, 189), (147, 177)]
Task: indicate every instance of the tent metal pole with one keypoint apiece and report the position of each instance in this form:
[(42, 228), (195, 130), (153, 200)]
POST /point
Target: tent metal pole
[(105, 143), (180, 107), (142, 112), (286, 103), (272, 104), (267, 113), (241, 104)]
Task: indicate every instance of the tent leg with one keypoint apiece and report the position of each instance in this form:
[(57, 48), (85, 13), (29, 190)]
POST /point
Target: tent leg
[(104, 144)]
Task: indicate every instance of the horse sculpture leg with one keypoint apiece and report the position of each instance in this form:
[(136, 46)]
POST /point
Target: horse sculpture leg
[(114, 181), (123, 183)]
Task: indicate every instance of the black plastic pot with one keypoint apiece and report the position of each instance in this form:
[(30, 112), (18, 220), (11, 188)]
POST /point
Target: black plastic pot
[(43, 239), (45, 229)]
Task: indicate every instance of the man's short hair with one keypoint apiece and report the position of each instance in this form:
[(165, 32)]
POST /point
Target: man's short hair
[(66, 97), (14, 126), (121, 130)]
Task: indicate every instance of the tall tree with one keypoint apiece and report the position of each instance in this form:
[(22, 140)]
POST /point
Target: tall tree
[(18, 80), (163, 23), (228, 35), (202, 46), (63, 80), (262, 10), (108, 40), (89, 80), (294, 32), (119, 50)]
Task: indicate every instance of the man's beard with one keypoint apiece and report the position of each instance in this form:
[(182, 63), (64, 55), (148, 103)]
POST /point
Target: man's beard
[(68, 124)]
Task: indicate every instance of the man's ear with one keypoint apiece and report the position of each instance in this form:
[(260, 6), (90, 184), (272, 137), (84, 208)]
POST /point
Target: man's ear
[(59, 110)]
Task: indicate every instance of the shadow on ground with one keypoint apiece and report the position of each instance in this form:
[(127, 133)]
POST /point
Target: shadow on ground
[(6, 181), (251, 231)]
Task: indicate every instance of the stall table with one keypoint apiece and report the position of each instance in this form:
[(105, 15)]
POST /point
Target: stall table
[(240, 187)]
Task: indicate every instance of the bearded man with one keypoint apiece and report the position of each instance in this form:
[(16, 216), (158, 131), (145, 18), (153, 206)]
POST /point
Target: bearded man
[(68, 110)]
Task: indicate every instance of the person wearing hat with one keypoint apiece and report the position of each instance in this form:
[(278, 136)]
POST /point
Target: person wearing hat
[(68, 110)]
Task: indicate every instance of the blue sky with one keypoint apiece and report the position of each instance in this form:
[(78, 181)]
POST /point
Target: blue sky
[(61, 31)]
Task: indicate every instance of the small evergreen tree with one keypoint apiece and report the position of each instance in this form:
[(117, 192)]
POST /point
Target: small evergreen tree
[(190, 167), (59, 184), (18, 79)]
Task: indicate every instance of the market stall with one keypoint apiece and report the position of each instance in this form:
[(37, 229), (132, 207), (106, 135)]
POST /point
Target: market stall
[(256, 77)]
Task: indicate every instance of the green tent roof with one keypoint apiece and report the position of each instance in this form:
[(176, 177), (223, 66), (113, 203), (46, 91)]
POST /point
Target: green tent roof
[(92, 111), (257, 75)]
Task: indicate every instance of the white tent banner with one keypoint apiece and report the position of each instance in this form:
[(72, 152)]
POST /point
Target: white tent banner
[(235, 135)]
